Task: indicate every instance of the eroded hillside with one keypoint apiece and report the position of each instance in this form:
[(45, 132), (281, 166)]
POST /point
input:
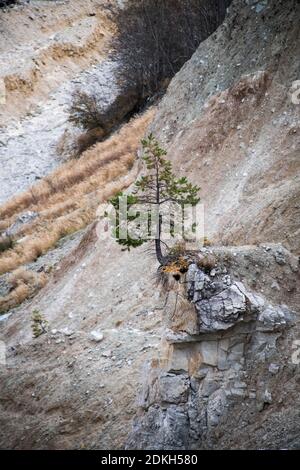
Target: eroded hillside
[(47, 49), (229, 122), (119, 367)]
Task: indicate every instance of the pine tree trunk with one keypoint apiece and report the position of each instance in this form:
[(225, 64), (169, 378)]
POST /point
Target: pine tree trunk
[(158, 251), (159, 255)]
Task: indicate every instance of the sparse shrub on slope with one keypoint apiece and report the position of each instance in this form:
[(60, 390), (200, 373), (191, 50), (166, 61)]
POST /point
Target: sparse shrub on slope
[(88, 112), (85, 111), (38, 324), (95, 120)]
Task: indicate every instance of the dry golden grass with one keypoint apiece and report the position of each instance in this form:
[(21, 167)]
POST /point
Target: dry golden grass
[(73, 172), (24, 284), (67, 201)]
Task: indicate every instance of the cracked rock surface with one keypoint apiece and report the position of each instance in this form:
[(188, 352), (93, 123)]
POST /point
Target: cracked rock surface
[(210, 389)]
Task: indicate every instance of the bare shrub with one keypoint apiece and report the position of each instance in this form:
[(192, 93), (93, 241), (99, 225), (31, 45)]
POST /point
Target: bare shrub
[(156, 37), (88, 112), (85, 110)]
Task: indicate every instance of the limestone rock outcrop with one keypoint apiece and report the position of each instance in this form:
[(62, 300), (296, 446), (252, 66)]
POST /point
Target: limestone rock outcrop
[(210, 388)]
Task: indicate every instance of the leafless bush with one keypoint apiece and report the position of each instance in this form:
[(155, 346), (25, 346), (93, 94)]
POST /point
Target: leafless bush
[(156, 37), (88, 113), (85, 111)]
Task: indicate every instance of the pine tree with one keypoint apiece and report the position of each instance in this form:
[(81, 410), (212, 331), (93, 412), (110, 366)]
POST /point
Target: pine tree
[(156, 187)]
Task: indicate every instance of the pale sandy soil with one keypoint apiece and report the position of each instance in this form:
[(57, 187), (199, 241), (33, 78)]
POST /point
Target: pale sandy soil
[(51, 50)]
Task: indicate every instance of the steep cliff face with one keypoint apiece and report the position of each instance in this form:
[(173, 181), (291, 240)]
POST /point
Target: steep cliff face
[(228, 121), (218, 365)]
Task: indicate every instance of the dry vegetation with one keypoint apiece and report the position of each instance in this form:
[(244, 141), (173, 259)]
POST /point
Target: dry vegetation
[(24, 284), (66, 201), (156, 37)]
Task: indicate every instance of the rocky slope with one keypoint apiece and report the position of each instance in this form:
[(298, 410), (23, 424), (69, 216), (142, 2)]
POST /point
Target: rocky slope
[(230, 124), (48, 43), (119, 368), (67, 49)]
